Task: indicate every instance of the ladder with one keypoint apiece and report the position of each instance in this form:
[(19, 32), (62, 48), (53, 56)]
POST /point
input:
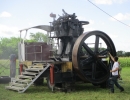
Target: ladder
[(24, 81)]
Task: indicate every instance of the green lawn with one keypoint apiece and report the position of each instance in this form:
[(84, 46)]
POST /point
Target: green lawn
[(82, 92)]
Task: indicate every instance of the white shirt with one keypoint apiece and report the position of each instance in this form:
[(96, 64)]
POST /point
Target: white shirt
[(115, 65)]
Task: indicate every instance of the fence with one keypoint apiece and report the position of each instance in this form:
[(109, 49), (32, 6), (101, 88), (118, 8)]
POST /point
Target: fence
[(5, 67)]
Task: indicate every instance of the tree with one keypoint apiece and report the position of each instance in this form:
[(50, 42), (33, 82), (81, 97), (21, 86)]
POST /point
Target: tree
[(8, 46), (127, 54), (120, 53), (38, 37)]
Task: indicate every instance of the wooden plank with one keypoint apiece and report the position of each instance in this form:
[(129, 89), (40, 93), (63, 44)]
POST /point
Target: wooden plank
[(14, 88), (23, 76), (18, 84), (29, 73), (34, 69), (24, 81)]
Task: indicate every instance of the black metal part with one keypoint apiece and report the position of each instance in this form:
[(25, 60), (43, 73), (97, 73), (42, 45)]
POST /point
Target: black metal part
[(61, 77), (5, 79), (67, 28), (92, 68)]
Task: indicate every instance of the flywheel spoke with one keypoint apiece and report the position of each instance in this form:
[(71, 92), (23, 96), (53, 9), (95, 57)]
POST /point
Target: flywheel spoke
[(102, 64), (96, 44), (93, 70), (104, 52), (88, 49), (87, 61)]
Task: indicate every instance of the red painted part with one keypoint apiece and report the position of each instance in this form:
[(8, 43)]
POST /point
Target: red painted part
[(21, 68), (52, 74)]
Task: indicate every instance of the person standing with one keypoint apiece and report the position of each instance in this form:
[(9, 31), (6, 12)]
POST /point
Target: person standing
[(115, 73)]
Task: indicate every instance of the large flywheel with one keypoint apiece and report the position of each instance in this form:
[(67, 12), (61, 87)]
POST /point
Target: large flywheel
[(88, 55)]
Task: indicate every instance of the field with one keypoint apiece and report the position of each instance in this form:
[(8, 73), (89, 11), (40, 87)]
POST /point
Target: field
[(82, 91), (124, 61)]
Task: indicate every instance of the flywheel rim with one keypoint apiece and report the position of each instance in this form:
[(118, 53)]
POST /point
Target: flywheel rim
[(75, 55)]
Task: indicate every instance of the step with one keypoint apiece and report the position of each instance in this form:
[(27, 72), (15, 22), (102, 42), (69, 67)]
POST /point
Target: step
[(23, 76), (29, 73), (17, 84), (36, 66), (24, 81), (14, 88), (34, 69)]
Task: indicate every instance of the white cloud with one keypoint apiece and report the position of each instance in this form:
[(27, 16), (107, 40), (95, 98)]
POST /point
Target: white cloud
[(113, 36), (82, 18), (121, 46), (87, 28), (91, 22), (5, 14), (121, 16), (30, 24), (7, 31), (108, 2)]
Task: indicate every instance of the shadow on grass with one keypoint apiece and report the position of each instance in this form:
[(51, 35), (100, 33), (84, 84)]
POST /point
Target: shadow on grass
[(77, 88), (86, 87), (38, 89)]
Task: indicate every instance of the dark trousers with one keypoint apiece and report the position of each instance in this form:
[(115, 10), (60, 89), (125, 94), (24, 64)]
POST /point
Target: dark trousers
[(114, 81)]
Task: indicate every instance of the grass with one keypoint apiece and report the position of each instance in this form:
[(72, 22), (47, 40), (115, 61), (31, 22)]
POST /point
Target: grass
[(125, 61), (82, 92)]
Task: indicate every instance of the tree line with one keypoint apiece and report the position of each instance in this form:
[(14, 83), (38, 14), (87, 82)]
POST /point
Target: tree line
[(10, 45), (123, 54)]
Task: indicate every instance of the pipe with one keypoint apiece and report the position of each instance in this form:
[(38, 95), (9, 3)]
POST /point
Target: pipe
[(52, 75), (21, 68)]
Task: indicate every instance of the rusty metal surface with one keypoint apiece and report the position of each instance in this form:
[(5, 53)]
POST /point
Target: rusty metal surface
[(96, 57), (37, 51), (75, 56), (75, 51)]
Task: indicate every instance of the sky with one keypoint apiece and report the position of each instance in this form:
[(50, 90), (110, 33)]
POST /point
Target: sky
[(19, 14)]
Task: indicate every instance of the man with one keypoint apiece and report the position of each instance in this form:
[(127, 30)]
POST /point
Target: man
[(114, 72)]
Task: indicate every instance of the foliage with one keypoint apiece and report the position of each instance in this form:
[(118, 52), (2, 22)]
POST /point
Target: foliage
[(9, 46), (123, 54), (38, 37)]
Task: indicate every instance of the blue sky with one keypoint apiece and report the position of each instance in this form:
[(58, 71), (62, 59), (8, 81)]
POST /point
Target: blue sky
[(20, 14)]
